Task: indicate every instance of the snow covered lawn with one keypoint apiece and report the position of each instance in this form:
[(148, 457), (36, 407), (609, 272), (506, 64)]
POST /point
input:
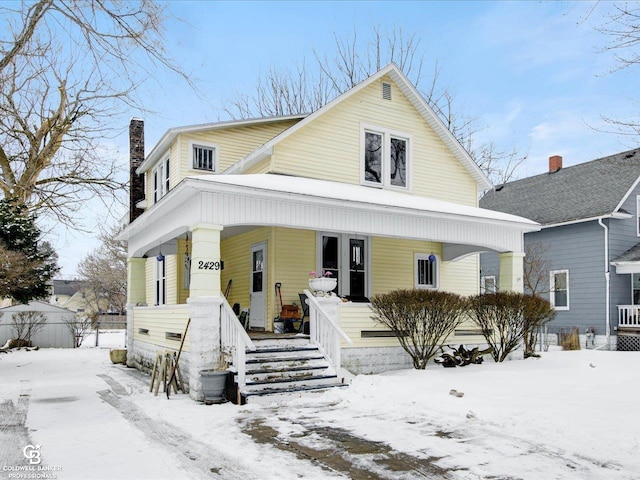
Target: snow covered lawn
[(568, 415)]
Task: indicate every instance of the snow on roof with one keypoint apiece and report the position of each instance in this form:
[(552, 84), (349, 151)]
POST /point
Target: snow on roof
[(357, 193)]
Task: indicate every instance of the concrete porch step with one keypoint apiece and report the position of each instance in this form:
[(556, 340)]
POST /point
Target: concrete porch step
[(283, 354), (294, 366), (274, 395), (304, 377), (285, 364)]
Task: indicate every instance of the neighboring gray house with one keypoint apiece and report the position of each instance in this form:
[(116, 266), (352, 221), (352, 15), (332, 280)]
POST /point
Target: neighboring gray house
[(589, 244), (55, 333)]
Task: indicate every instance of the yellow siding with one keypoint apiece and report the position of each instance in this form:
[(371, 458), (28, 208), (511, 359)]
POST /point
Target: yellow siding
[(329, 148), (291, 255), (461, 276), (174, 174), (183, 293), (393, 267), (294, 256), (172, 279), (158, 321), (355, 317), (233, 143), (393, 262), (236, 253), (261, 167)]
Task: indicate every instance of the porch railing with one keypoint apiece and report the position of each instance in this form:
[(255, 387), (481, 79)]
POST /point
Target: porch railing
[(234, 340), (629, 316), (325, 332)]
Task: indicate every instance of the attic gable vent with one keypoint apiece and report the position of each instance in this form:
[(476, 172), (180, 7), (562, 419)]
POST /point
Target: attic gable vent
[(386, 91)]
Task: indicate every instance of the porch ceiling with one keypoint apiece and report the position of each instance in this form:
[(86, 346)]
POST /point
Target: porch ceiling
[(294, 202)]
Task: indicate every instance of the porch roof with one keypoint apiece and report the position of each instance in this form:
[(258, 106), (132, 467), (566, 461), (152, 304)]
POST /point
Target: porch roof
[(629, 261), (236, 201)]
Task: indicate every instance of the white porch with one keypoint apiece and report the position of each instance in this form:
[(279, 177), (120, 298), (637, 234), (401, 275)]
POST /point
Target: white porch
[(629, 317), (211, 208)]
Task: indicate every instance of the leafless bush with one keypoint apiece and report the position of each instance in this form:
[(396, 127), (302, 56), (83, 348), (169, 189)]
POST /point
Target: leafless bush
[(421, 319), (501, 318), (27, 324)]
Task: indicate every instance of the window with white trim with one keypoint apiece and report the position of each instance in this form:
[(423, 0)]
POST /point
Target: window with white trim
[(161, 281), (385, 158), (161, 175), (559, 289), (488, 284), (204, 157), (426, 270)]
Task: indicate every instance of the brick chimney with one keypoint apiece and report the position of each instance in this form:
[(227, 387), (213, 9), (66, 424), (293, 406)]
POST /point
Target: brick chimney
[(555, 163), (136, 157)]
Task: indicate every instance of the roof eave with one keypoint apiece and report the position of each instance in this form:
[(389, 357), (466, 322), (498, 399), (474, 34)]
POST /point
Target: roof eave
[(170, 135), (614, 215)]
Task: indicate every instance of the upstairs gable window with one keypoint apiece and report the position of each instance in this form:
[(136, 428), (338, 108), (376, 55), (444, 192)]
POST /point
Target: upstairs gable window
[(385, 160), (161, 176), (204, 158)]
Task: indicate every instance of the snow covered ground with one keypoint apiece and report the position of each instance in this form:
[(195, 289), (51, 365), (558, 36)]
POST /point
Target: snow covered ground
[(567, 415)]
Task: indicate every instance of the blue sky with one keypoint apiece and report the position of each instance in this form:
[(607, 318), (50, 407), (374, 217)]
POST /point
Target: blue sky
[(532, 73)]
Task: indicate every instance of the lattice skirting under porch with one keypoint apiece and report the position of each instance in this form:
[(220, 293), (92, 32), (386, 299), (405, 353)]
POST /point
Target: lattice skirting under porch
[(628, 342)]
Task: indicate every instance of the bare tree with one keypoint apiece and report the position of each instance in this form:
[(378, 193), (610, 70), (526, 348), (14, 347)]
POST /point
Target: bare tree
[(66, 68), (539, 312), (311, 85), (104, 272), (536, 268), (27, 324), (622, 29), (79, 326)]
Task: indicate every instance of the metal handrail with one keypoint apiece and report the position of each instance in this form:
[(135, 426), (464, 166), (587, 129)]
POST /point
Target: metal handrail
[(235, 339), (327, 339)]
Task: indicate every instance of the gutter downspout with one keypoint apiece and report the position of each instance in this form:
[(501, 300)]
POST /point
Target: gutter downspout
[(607, 276)]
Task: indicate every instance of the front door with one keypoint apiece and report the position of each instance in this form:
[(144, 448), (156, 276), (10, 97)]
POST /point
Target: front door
[(258, 291), (346, 258)]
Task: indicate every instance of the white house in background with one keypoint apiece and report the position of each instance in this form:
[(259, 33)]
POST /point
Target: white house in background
[(54, 334), (371, 187)]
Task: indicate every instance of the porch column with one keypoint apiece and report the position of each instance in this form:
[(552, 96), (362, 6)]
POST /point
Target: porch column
[(511, 272), (136, 293), (205, 261), (204, 340)]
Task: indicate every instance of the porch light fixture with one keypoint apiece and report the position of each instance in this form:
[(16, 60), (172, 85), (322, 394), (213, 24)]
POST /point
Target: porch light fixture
[(432, 258), (160, 256)]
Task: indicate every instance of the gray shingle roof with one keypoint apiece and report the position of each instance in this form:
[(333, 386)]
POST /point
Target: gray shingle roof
[(581, 191), (631, 255), (67, 287)]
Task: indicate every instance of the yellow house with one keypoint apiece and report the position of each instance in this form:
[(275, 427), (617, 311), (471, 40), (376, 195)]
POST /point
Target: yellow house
[(371, 187)]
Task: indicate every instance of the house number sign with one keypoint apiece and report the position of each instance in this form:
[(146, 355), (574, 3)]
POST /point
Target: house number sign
[(210, 265)]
